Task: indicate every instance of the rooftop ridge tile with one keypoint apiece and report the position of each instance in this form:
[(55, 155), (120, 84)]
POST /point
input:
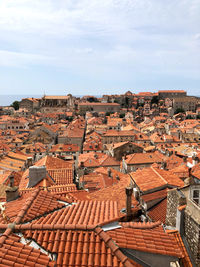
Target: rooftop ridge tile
[(113, 247), (4, 236), (26, 206), (135, 225), (42, 227)]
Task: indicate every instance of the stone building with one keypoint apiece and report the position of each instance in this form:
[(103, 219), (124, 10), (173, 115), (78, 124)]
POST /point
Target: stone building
[(30, 104), (16, 124), (162, 94), (136, 161), (118, 150), (183, 213), (114, 136), (98, 107), (188, 103), (56, 103)]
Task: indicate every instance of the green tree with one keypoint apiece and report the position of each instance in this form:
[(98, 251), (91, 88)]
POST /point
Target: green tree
[(154, 100), (188, 117), (122, 115), (179, 110), (15, 105)]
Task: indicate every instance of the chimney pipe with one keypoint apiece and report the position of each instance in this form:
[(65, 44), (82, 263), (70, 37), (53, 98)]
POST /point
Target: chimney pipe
[(11, 180), (12, 193), (189, 172), (109, 172), (129, 192), (29, 162)]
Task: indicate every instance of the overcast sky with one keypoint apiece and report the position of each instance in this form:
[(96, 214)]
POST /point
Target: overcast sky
[(99, 46)]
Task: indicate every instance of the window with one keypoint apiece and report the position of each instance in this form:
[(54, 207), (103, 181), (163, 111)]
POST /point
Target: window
[(196, 195)]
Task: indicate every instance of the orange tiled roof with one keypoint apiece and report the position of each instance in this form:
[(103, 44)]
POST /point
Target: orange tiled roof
[(143, 158), (155, 195), (186, 259), (18, 156), (95, 181), (95, 159), (15, 253), (196, 171), (152, 178), (77, 195), (78, 247), (171, 91), (119, 133), (65, 148), (63, 97), (147, 240), (83, 213), (158, 212), (31, 205), (92, 145), (115, 193), (62, 176), (59, 174)]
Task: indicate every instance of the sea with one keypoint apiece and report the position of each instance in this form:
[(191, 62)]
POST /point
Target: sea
[(7, 100)]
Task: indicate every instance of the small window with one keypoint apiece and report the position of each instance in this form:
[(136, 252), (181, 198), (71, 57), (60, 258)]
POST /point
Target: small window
[(196, 195)]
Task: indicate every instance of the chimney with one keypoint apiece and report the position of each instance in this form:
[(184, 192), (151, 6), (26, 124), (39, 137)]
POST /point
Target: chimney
[(189, 171), (129, 192), (185, 159), (164, 165), (11, 180), (109, 172), (36, 174), (12, 192), (29, 162), (195, 159), (82, 164)]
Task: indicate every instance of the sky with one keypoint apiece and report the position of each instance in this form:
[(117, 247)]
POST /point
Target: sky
[(99, 46)]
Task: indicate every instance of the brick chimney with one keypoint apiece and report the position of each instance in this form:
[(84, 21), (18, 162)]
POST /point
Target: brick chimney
[(129, 192), (36, 174)]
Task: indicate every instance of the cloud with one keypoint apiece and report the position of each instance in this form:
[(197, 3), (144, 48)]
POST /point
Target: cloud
[(14, 59), (102, 37)]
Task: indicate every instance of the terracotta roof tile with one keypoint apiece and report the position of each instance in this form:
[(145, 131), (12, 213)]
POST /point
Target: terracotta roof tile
[(95, 160), (136, 239), (151, 178), (84, 212), (30, 206), (186, 259), (143, 158), (158, 212), (81, 248), (143, 225), (155, 195), (14, 253), (115, 193)]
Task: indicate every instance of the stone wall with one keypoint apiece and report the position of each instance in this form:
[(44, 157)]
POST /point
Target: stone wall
[(192, 234), (174, 199)]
